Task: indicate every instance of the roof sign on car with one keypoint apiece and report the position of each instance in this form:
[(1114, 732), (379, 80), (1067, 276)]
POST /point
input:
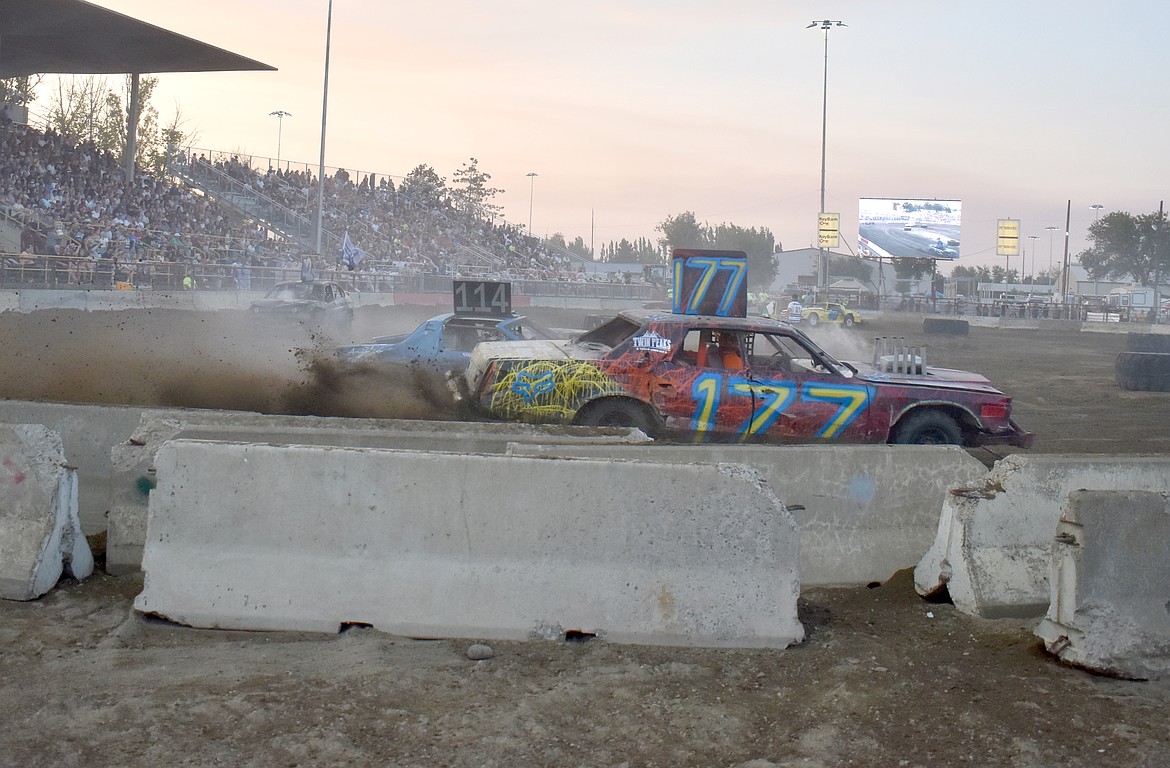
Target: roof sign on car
[(482, 297), (709, 282)]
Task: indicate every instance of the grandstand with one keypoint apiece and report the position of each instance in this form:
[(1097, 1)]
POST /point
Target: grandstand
[(69, 219)]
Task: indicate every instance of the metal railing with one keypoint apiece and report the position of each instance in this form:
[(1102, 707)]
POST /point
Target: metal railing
[(23, 271)]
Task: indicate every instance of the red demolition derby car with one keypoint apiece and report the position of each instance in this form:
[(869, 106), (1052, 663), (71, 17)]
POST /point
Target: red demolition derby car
[(733, 378)]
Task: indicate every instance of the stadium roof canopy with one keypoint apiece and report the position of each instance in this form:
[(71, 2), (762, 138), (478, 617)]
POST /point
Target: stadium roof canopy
[(75, 37)]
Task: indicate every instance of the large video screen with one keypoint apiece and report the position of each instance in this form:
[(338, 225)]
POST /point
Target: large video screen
[(917, 228)]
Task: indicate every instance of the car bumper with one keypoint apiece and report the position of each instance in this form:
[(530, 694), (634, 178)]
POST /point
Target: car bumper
[(1012, 435)]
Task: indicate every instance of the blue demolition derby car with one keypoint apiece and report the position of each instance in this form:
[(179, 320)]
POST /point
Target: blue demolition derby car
[(483, 312)]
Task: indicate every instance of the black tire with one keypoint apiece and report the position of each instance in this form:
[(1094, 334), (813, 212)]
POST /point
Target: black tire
[(1143, 371), (848, 321), (1147, 342), (617, 412), (813, 319), (927, 427)]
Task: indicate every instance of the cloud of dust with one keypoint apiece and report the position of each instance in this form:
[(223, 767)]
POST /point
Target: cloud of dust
[(222, 360)]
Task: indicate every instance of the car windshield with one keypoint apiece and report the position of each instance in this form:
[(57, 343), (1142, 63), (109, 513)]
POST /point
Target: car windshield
[(291, 291)]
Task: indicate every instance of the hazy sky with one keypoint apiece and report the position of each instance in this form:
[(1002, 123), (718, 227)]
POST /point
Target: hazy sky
[(633, 111)]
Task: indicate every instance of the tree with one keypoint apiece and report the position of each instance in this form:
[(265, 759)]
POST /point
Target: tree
[(1001, 275), (912, 269), (684, 231), (978, 274), (112, 135), (76, 108), (1128, 247), (577, 247), (425, 187), (850, 266), (471, 195), (19, 91), (175, 135)]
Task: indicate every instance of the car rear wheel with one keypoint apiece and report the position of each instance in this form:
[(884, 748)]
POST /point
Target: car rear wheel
[(813, 319), (849, 321), (617, 412), (927, 428)]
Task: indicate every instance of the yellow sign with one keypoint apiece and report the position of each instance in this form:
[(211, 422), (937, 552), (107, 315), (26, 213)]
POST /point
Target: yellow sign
[(1008, 242), (828, 230)]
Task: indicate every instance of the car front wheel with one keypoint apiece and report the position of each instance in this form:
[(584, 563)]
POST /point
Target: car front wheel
[(617, 412)]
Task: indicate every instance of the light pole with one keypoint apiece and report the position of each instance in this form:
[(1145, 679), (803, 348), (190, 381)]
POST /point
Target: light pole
[(531, 190), (1051, 230), (826, 25), (1032, 275), (280, 115), (324, 114), (1096, 210)]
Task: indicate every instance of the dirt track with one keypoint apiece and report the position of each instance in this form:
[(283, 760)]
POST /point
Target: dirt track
[(883, 677)]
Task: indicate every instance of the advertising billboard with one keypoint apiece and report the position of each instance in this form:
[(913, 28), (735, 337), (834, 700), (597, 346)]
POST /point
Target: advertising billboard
[(915, 228), (1007, 242)]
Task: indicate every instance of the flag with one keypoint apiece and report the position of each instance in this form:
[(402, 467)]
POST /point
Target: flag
[(351, 255)]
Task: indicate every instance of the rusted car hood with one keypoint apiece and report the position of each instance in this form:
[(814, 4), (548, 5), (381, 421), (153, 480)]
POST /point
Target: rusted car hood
[(535, 349)]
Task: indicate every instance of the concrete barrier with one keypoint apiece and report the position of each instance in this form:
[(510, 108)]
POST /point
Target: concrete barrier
[(88, 432), (1110, 596), (993, 548), (133, 459), (247, 536), (864, 511), (91, 433), (40, 534)]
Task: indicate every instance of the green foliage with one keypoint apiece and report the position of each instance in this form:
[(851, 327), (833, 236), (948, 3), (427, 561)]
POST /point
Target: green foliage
[(86, 109), (685, 231), (1127, 247), (19, 91), (75, 109), (979, 274), (1003, 275), (912, 269), (849, 266), (471, 194), (577, 247), (641, 251), (425, 187)]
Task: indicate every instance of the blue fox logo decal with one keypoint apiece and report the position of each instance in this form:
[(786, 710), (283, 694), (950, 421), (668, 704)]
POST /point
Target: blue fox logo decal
[(530, 387)]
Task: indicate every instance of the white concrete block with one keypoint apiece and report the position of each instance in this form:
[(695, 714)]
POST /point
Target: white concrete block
[(248, 536), (133, 459), (864, 511), (993, 547), (40, 533), (1110, 594)]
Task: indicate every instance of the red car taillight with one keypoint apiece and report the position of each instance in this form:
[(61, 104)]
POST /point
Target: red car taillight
[(995, 411)]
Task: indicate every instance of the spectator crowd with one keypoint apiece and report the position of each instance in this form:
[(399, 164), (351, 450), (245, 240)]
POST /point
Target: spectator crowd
[(72, 200)]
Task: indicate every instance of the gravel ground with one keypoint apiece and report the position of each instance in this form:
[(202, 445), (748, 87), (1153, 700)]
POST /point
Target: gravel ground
[(883, 678)]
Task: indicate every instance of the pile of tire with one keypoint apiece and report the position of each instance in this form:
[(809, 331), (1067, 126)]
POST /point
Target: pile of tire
[(1145, 365)]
